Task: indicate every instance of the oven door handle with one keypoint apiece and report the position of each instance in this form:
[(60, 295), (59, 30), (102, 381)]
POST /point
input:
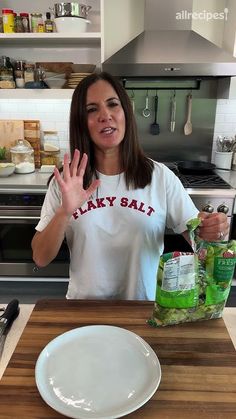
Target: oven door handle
[(19, 217)]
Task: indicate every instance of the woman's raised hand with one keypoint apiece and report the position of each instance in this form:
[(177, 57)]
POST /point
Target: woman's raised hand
[(71, 184)]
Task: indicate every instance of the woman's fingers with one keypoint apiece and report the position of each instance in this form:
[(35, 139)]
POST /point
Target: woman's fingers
[(75, 162), (66, 167), (58, 177), (82, 165), (213, 226)]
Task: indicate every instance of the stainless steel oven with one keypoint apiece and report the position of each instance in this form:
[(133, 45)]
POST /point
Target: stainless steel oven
[(19, 214), (209, 193)]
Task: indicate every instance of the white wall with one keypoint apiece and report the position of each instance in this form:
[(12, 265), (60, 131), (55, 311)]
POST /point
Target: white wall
[(225, 121)]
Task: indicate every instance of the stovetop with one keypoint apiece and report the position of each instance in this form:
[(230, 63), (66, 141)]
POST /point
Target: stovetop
[(212, 181)]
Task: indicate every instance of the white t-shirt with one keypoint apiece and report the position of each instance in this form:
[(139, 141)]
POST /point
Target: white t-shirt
[(116, 238)]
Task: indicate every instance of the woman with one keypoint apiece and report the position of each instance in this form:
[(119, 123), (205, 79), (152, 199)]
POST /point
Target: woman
[(112, 202)]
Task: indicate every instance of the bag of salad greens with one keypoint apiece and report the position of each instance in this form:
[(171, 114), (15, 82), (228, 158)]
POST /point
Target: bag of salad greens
[(194, 286)]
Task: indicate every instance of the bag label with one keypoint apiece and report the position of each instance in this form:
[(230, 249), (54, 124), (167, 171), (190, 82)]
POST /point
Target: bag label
[(179, 274), (223, 269)]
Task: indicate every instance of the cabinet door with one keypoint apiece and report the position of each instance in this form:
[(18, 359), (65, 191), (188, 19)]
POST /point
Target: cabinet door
[(121, 21), (211, 25), (229, 41)]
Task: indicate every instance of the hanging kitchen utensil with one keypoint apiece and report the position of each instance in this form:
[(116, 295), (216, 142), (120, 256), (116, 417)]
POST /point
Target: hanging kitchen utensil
[(188, 125), (195, 167), (132, 98), (173, 113), (146, 110), (9, 315), (155, 127)]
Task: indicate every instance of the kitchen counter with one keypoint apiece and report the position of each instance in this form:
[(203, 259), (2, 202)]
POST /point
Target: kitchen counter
[(19, 324), (229, 176), (38, 180), (35, 180), (198, 360)]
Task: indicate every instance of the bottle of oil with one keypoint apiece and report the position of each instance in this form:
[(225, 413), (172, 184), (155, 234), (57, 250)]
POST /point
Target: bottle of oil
[(48, 24)]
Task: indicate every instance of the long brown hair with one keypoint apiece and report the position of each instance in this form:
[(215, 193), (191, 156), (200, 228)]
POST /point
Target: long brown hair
[(136, 166)]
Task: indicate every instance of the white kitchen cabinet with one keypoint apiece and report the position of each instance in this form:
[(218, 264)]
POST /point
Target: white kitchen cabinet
[(113, 24), (211, 25), (229, 38)]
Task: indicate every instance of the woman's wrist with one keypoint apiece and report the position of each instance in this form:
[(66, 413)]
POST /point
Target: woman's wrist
[(61, 213)]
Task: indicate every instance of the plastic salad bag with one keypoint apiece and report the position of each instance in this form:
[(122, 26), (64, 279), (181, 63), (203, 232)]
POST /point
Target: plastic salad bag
[(194, 286)]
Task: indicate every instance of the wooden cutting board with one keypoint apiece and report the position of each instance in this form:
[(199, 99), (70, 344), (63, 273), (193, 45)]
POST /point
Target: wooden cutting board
[(198, 360), (10, 131), (32, 135)]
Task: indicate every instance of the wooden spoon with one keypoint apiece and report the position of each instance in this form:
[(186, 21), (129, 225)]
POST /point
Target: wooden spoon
[(188, 126)]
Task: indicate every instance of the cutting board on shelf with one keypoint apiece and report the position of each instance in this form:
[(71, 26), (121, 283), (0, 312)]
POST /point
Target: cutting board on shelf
[(32, 135), (10, 131)]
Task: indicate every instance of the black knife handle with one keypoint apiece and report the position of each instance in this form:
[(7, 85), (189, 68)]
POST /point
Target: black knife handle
[(11, 312)]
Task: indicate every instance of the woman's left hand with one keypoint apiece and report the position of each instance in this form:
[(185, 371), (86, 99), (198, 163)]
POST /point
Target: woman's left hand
[(213, 227)]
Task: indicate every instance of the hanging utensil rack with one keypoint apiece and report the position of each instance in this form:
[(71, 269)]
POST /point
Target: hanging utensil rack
[(195, 85)]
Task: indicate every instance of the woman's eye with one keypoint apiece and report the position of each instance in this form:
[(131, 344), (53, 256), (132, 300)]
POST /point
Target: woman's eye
[(89, 110), (112, 104)]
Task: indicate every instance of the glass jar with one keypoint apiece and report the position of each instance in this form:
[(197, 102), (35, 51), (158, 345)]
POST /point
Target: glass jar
[(6, 74), (22, 155), (36, 22), (50, 141), (49, 158)]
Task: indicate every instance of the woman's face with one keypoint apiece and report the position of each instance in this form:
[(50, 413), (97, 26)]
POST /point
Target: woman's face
[(106, 118)]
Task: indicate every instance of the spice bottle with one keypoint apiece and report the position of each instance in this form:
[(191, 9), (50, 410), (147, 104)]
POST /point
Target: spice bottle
[(19, 74), (18, 25), (8, 21), (48, 24), (29, 73), (25, 21)]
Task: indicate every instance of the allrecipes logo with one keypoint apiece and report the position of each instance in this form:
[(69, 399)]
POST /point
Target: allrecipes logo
[(203, 15)]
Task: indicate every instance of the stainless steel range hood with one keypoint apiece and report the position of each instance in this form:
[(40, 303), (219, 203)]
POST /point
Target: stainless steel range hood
[(170, 53)]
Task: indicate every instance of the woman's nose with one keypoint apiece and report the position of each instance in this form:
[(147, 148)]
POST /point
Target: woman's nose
[(104, 114)]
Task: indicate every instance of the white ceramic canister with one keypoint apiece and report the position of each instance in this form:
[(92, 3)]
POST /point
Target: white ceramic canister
[(223, 159)]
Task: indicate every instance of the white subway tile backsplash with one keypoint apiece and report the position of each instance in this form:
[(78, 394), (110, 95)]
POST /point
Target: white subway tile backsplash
[(64, 144), (230, 117), (48, 125), (8, 107), (44, 107), (61, 126), (220, 117)]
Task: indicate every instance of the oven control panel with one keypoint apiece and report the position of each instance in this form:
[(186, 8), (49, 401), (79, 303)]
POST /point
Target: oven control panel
[(21, 200)]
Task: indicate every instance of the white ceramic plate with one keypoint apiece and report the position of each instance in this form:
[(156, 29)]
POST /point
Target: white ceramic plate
[(100, 372)]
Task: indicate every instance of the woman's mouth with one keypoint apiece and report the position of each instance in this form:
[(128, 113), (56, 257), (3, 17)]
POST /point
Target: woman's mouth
[(107, 130)]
